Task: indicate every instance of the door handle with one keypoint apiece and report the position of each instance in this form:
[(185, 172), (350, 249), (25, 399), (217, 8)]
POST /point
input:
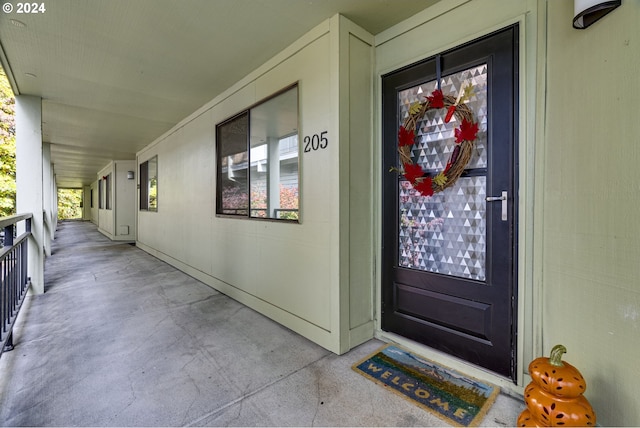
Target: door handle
[(503, 198)]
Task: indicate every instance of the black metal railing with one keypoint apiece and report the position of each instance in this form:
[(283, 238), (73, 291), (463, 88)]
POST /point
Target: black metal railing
[(14, 281)]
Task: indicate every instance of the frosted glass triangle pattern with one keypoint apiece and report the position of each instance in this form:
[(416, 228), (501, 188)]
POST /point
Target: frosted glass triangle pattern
[(445, 233)]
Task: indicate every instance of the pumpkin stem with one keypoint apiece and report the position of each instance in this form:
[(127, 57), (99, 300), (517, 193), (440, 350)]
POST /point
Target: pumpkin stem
[(556, 355)]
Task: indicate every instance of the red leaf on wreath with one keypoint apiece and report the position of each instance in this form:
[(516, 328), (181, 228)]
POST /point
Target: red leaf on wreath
[(424, 187), (466, 132), (412, 172), (436, 100), (405, 138), (450, 111)]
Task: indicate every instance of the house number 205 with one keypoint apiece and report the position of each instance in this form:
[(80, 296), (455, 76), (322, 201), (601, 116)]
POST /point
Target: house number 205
[(316, 142)]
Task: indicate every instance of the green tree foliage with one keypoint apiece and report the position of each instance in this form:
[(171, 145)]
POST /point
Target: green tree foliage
[(288, 201), (69, 204), (7, 148)]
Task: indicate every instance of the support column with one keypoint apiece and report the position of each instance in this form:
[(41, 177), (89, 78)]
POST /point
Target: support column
[(29, 180), (54, 201), (47, 198), (86, 203)]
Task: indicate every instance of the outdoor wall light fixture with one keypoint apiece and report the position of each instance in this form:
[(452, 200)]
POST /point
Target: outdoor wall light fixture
[(130, 175), (586, 12)]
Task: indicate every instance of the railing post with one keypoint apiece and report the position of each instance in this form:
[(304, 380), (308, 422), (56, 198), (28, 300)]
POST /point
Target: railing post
[(8, 235), (8, 346)]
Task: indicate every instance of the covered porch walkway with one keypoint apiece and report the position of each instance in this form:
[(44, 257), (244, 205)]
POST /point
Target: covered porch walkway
[(119, 338)]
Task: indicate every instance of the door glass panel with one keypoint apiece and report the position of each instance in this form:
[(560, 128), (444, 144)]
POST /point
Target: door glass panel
[(445, 233)]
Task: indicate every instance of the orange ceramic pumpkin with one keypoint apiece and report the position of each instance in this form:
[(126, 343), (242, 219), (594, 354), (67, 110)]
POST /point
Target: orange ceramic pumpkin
[(554, 397), (556, 376), (526, 419), (554, 411)]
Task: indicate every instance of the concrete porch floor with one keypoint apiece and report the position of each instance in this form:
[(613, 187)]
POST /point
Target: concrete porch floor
[(120, 338)]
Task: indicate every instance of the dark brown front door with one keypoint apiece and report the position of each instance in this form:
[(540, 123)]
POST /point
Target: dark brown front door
[(449, 260)]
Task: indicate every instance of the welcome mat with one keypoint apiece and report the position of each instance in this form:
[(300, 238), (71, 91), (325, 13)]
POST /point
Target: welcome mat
[(458, 399)]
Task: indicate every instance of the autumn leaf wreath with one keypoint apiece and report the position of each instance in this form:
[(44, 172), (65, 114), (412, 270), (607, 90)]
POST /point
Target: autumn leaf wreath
[(466, 135)]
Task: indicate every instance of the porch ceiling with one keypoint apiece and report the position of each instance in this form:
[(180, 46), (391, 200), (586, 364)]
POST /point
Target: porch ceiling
[(116, 74)]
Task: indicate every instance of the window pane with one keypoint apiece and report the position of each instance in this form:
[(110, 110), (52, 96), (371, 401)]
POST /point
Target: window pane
[(274, 157), (107, 184), (144, 188), (153, 183), (233, 160), (100, 194)]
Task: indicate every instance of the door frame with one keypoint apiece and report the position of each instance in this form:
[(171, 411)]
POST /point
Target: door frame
[(531, 85), (497, 293)]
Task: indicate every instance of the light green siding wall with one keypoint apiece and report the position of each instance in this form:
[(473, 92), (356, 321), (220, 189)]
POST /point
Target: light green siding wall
[(283, 270), (119, 222), (306, 276), (591, 272)]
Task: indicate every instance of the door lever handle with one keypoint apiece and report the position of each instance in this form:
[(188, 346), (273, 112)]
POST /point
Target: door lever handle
[(503, 198)]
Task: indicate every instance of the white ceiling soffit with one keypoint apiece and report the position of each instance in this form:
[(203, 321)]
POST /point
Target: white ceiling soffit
[(116, 74)]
